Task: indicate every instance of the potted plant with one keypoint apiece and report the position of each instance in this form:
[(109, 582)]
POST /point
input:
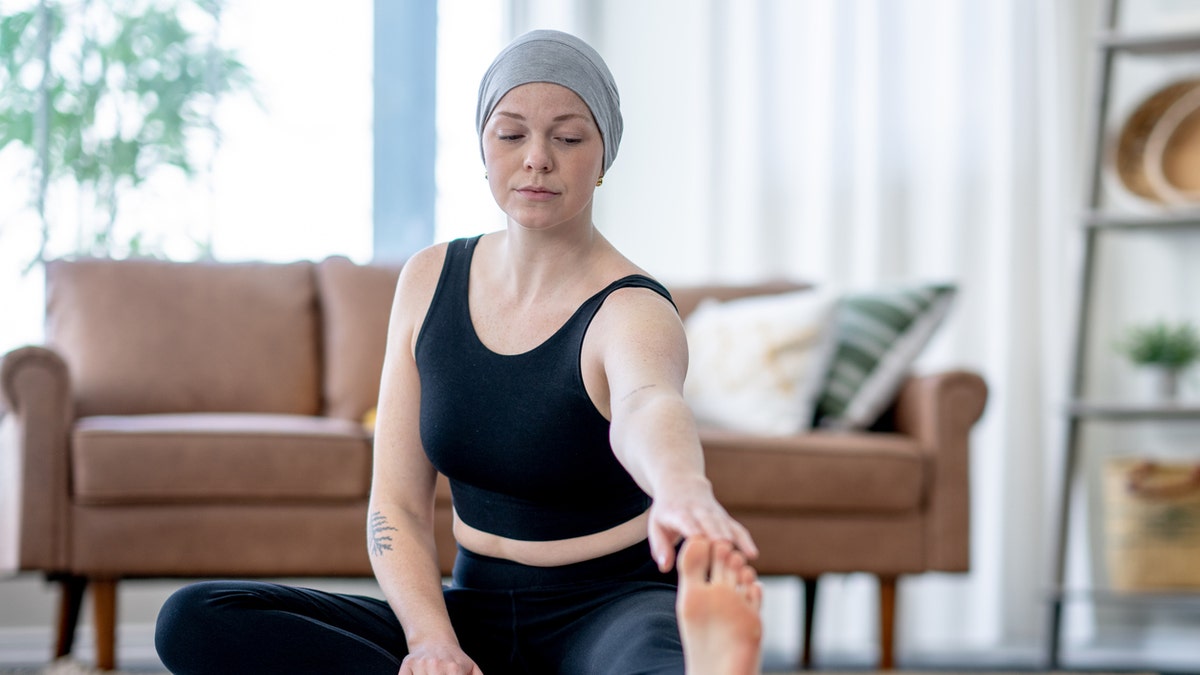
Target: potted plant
[(1165, 349)]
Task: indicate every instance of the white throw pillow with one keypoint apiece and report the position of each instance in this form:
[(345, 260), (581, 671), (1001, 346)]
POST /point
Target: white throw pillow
[(757, 363)]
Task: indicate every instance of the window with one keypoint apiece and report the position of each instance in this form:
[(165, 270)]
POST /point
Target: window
[(469, 36), (292, 178)]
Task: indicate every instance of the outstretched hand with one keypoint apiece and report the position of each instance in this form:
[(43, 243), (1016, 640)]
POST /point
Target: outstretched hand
[(688, 512)]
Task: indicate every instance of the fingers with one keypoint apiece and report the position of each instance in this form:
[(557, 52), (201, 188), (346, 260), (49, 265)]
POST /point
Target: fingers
[(662, 547), (720, 527), (454, 668), (725, 528), (743, 541), (439, 661), (669, 526), (714, 525)]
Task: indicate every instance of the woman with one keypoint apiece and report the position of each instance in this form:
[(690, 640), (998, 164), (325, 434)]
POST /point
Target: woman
[(540, 371)]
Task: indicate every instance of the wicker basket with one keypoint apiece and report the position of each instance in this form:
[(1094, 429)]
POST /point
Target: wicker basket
[(1173, 152), (1130, 156), (1152, 525)]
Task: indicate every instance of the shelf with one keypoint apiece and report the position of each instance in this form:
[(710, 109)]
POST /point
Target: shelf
[(1178, 220), (1099, 217), (1151, 43), (1116, 410)]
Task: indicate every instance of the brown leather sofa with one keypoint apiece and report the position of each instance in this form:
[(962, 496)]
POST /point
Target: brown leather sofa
[(204, 420)]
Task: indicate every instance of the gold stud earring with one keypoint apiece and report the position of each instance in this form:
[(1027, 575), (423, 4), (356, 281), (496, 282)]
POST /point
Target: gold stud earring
[(600, 180)]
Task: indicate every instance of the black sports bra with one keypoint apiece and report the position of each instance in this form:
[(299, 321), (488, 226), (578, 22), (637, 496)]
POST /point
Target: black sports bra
[(526, 451)]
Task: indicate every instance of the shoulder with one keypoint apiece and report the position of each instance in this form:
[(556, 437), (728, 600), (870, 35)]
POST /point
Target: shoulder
[(424, 265), (641, 299), (636, 317), (420, 275), (417, 284)]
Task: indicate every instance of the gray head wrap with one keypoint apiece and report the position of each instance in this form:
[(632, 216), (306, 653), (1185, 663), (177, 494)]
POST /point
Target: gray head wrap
[(558, 58)]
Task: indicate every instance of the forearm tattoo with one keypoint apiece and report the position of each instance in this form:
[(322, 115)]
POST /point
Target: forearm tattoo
[(378, 539)]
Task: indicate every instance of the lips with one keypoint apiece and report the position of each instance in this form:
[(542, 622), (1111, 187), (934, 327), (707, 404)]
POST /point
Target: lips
[(535, 193)]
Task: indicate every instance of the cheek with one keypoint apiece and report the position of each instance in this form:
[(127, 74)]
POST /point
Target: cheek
[(599, 165), (493, 151)]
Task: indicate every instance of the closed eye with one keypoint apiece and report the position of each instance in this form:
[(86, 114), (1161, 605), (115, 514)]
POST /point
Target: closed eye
[(511, 137)]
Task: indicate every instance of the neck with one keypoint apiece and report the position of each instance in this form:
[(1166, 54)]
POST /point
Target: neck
[(536, 263)]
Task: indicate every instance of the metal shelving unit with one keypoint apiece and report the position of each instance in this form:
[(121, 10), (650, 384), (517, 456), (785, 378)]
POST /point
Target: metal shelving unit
[(1096, 222)]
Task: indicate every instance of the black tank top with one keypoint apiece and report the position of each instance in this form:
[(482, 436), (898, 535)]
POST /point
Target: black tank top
[(526, 451)]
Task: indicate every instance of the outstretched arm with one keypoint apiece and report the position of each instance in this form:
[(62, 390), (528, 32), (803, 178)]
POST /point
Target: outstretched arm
[(644, 353)]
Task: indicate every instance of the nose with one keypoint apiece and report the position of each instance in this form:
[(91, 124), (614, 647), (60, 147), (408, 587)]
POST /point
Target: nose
[(537, 157)]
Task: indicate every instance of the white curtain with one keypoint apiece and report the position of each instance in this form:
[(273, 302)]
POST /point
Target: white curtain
[(862, 142)]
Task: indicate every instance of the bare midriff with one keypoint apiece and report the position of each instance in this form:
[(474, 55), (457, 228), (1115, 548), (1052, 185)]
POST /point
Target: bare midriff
[(552, 553)]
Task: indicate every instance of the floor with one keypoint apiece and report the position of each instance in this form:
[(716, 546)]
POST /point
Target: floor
[(25, 651), (136, 655)]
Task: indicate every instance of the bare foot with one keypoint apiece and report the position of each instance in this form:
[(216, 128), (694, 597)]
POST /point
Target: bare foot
[(718, 608)]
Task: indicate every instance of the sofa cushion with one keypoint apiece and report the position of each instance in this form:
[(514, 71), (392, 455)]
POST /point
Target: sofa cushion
[(828, 472), (356, 302), (879, 336), (756, 364), (205, 457), (147, 336)]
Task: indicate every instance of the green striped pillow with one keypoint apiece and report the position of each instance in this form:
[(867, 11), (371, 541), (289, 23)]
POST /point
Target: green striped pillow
[(879, 335)]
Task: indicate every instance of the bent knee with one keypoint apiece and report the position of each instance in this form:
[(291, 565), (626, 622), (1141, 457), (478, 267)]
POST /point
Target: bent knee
[(189, 622)]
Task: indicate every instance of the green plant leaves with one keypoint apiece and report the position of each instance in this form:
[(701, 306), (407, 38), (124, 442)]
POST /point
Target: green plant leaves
[(130, 90), (1174, 345)]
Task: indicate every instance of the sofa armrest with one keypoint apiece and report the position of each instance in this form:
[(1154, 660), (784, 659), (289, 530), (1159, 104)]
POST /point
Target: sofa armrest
[(36, 390), (940, 410)]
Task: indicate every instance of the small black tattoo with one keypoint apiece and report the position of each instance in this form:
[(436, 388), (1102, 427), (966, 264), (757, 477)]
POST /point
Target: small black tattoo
[(378, 540)]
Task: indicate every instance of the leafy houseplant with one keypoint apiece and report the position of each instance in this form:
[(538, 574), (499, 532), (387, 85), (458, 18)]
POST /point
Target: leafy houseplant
[(102, 95), (1166, 347)]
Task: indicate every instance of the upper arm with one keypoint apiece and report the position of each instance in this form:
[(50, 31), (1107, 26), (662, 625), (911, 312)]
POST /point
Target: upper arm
[(402, 475), (642, 348)]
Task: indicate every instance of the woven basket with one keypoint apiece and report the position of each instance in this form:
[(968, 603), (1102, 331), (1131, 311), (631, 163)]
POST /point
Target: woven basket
[(1173, 152), (1132, 154), (1152, 525)]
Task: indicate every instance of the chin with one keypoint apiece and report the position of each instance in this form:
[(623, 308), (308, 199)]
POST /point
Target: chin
[(536, 221)]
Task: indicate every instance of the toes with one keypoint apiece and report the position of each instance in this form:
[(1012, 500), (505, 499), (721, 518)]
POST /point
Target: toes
[(729, 566), (750, 588), (746, 576), (754, 596), (721, 564), (695, 559)]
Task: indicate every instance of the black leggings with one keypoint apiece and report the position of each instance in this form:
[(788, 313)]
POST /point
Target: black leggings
[(614, 614)]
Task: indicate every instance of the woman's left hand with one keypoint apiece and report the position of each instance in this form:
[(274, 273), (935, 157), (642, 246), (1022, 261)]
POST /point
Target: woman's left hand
[(689, 509)]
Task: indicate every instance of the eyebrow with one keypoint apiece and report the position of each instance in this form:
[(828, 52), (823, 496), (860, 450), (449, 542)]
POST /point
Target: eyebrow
[(560, 118)]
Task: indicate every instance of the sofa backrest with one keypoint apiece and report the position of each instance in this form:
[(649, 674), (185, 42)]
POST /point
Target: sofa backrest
[(356, 303), (687, 297), (147, 336)]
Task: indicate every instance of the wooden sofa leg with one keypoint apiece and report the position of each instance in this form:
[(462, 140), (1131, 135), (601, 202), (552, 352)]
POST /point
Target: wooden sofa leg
[(104, 594), (70, 600), (810, 611), (887, 623)]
